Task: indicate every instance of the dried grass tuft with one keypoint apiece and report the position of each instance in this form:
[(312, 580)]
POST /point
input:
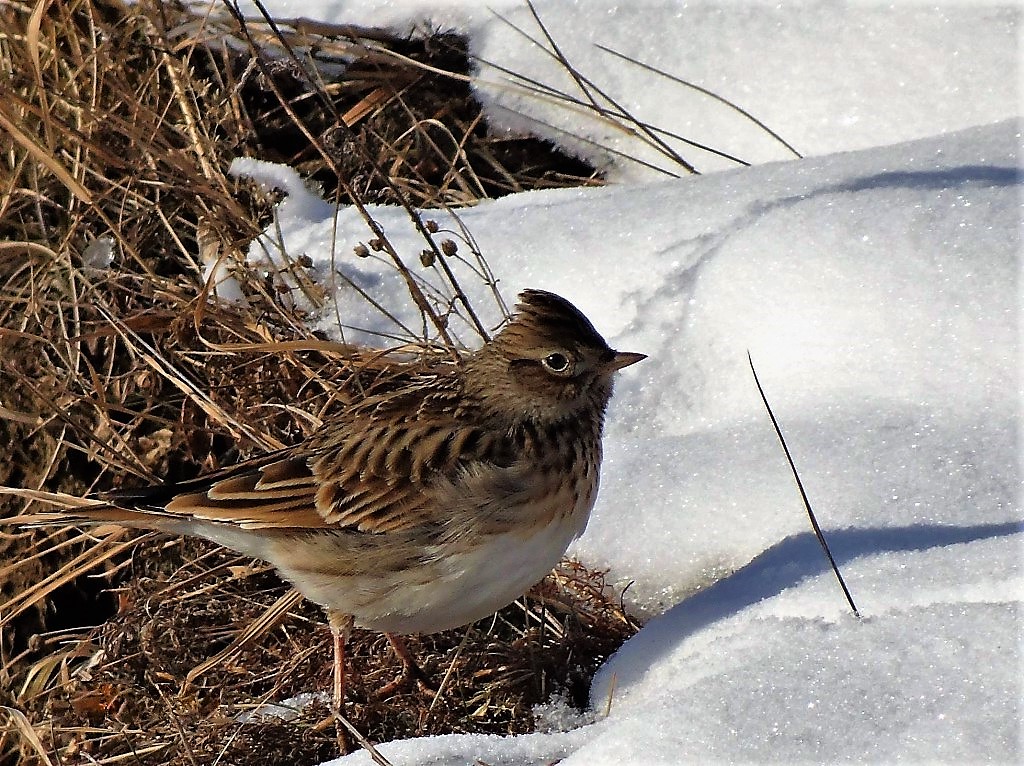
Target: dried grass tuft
[(116, 129)]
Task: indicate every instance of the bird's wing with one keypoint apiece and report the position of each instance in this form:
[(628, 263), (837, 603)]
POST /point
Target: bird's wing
[(275, 490), (369, 471), (380, 482), (375, 475)]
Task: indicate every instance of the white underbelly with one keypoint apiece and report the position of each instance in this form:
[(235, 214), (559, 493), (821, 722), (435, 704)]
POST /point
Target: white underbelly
[(454, 589)]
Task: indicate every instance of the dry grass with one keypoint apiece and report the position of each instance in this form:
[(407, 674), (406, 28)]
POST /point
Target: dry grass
[(117, 127), (122, 690)]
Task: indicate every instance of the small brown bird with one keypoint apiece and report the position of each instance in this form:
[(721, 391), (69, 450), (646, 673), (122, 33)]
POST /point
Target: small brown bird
[(425, 507)]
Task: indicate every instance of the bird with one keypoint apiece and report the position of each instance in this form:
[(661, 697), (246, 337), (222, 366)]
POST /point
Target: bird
[(424, 506)]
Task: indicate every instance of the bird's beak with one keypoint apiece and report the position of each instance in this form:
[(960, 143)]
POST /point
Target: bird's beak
[(624, 359)]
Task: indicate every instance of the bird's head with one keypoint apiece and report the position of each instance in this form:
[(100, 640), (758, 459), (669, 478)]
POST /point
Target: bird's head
[(548, 362)]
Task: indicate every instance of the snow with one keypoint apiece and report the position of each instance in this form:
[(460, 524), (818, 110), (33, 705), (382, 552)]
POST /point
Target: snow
[(878, 294), (827, 76)]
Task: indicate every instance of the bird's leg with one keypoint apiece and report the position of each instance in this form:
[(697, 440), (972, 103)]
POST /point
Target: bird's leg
[(340, 624), (409, 668)]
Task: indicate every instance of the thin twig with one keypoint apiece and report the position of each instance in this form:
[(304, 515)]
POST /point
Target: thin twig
[(375, 755), (584, 83), (800, 486), (706, 92)]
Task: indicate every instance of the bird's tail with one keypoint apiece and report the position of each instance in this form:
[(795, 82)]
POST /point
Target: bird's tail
[(71, 509)]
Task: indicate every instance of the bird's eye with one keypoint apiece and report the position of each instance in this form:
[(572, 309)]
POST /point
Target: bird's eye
[(556, 362)]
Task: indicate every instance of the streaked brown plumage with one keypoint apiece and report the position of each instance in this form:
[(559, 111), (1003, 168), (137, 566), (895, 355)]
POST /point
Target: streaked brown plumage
[(428, 506)]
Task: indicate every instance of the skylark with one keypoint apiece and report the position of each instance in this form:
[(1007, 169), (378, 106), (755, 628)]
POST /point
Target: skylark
[(425, 507)]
